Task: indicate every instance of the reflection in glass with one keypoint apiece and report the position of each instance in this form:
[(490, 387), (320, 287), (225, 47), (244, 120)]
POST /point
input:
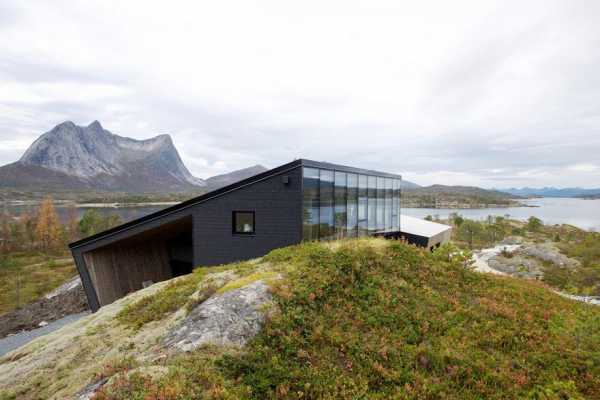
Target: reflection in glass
[(326, 226), (340, 205), (310, 204), (380, 203), (388, 203), (372, 203), (362, 205), (395, 204), (352, 197)]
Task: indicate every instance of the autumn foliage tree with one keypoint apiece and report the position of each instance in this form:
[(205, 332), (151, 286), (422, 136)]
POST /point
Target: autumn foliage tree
[(48, 228)]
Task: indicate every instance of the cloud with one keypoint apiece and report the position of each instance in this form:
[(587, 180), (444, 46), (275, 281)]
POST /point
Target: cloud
[(486, 93), (584, 168)]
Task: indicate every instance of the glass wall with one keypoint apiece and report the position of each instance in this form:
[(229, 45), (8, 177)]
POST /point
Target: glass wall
[(380, 204), (310, 205), (372, 203), (326, 226), (340, 204), (396, 205), (352, 197), (388, 203), (362, 205)]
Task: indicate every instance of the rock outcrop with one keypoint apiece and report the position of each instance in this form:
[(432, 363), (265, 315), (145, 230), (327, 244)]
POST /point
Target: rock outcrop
[(228, 319)]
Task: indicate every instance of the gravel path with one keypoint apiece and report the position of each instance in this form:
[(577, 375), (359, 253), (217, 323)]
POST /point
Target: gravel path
[(482, 257), (12, 342)]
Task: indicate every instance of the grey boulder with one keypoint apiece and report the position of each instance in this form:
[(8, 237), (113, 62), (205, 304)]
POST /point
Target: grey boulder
[(227, 319)]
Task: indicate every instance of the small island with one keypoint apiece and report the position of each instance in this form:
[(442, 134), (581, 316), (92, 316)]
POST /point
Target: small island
[(458, 197)]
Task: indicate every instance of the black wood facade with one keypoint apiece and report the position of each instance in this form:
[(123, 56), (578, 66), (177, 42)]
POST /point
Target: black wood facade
[(198, 232)]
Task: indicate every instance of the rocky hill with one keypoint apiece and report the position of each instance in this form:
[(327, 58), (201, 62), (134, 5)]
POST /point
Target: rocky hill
[(90, 157), (404, 184), (442, 196), (368, 319), (218, 181)]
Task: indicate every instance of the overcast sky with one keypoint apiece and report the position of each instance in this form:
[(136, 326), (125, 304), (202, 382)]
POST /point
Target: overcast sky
[(494, 94)]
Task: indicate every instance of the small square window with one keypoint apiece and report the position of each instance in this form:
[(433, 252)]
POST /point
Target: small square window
[(243, 222)]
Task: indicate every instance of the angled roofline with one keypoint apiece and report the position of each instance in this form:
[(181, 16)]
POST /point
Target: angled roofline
[(222, 191)]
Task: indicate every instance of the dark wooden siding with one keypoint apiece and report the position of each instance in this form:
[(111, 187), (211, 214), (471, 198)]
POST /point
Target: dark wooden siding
[(277, 207)]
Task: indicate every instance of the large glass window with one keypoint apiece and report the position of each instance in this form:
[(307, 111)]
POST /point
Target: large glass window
[(310, 206), (396, 205), (362, 205), (340, 205), (352, 196), (380, 204), (326, 226), (388, 203), (372, 203)]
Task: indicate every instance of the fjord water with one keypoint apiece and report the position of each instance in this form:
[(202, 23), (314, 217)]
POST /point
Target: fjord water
[(581, 213), (584, 214)]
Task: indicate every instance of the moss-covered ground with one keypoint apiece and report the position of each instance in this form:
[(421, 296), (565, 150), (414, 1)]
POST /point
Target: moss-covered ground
[(370, 319)]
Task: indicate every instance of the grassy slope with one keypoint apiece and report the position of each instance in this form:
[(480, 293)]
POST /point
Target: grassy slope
[(366, 319), (38, 274)]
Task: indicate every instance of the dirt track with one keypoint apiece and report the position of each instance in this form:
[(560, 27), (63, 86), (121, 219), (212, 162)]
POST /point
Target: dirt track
[(30, 316)]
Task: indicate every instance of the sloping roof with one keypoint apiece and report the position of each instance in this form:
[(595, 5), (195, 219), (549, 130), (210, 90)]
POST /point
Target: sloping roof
[(224, 190), (421, 227)]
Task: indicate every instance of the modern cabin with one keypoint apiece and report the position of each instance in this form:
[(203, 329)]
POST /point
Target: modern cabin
[(301, 200)]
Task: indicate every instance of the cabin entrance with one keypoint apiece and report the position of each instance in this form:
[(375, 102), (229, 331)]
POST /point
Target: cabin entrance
[(152, 256)]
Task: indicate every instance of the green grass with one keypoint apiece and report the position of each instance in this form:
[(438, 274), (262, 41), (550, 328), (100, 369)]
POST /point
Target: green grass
[(22, 280), (168, 300), (583, 246), (366, 321)]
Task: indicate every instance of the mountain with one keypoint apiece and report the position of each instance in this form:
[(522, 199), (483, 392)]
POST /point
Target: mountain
[(226, 179), (408, 185), (91, 157), (553, 192)]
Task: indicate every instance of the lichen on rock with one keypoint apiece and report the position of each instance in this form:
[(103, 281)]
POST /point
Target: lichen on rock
[(227, 319)]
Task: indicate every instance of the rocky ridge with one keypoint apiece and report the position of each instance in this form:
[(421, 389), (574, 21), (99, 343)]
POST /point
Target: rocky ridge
[(92, 157)]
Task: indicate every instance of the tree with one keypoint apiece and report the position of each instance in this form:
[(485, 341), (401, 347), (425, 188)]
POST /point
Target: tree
[(468, 230), (534, 224), (72, 226), (48, 226), (93, 222), (90, 223), (5, 233), (457, 219)]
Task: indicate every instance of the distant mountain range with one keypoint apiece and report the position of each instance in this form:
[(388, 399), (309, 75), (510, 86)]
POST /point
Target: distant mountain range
[(71, 157), (553, 192)]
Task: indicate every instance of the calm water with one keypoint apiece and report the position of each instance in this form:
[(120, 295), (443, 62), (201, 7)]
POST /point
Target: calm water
[(581, 213), (126, 213), (584, 214)]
